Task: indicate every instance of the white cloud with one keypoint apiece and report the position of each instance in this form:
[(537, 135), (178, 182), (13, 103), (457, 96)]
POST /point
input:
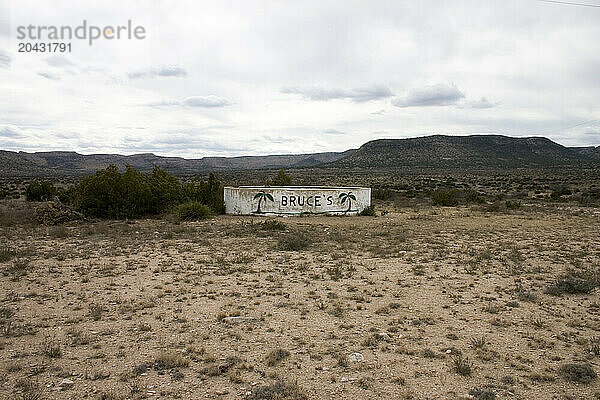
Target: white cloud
[(4, 59), (205, 101), (440, 94), (50, 75), (165, 71), (358, 95), (481, 103), (274, 77)]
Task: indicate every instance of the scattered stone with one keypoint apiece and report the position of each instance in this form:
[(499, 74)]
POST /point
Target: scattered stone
[(356, 357), (66, 384)]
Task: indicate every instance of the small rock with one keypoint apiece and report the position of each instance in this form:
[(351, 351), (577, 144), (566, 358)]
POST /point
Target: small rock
[(356, 357), (66, 384)]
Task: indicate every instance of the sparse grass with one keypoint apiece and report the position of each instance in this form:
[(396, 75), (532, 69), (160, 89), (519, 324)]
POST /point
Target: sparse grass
[(6, 253), (368, 212), (170, 359), (478, 342), (462, 366), (394, 289), (580, 373), (572, 283), (293, 242), (51, 348), (275, 356), (279, 390), (272, 225), (96, 311), (193, 211)]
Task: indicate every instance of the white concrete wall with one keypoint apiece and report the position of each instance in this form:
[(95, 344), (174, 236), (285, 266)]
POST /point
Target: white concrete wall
[(293, 200)]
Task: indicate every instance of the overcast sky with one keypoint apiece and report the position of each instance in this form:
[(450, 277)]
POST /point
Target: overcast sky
[(253, 78)]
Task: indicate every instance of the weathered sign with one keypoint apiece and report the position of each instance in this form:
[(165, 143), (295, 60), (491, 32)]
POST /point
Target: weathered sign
[(295, 200)]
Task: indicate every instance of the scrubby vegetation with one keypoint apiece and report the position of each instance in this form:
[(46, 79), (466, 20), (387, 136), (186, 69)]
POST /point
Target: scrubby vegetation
[(131, 194), (281, 179), (192, 211), (37, 191)]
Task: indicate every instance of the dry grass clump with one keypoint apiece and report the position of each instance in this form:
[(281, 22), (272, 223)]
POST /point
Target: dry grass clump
[(279, 390)]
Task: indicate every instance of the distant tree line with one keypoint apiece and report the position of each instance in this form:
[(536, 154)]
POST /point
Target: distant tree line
[(131, 194)]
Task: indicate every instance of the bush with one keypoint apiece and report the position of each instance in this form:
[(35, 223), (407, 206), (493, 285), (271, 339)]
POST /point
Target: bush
[(193, 211), (282, 179), (383, 194), (279, 390), (293, 242), (131, 194), (368, 212), (572, 283), (512, 205), (445, 198), (272, 225), (36, 191), (208, 192), (582, 373)]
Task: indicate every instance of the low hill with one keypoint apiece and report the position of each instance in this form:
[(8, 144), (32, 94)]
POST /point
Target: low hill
[(475, 151), (68, 163)]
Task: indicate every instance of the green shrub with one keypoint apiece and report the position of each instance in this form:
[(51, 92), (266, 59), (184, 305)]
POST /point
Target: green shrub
[(272, 225), (282, 179), (368, 212), (6, 253), (278, 390), (512, 205), (131, 194), (209, 192), (473, 196), (293, 242), (445, 197), (36, 191), (193, 211), (582, 373), (572, 283), (383, 194)]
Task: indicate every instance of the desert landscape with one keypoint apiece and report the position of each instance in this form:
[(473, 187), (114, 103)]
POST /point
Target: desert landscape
[(427, 299)]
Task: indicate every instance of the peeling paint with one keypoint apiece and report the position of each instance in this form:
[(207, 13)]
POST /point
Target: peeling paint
[(296, 200)]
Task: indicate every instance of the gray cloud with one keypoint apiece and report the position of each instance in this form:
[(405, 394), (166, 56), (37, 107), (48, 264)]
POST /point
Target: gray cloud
[(165, 71), (58, 61), (441, 94), (358, 95), (481, 103), (4, 59), (49, 75), (205, 101), (333, 132), (209, 101), (10, 132)]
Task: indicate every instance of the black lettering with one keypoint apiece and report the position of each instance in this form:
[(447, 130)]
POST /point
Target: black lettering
[(329, 200), (317, 200), (301, 203), (292, 200), (284, 201), (308, 201)]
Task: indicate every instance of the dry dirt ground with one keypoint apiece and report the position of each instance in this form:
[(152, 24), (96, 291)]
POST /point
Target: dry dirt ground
[(431, 303)]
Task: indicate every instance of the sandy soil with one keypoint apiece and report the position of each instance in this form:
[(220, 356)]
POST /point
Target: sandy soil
[(438, 303)]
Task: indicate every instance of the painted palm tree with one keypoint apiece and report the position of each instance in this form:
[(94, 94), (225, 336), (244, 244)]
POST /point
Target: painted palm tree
[(262, 196), (347, 196)]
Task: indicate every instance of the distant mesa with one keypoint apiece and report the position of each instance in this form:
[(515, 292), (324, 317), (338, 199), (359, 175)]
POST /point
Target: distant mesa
[(437, 151)]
